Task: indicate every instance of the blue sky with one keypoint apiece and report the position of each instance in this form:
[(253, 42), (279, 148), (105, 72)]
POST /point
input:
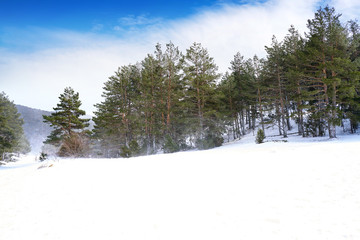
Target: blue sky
[(82, 15), (48, 45), (30, 18), (106, 16)]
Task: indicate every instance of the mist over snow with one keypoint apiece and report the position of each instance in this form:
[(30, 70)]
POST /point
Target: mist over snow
[(48, 60)]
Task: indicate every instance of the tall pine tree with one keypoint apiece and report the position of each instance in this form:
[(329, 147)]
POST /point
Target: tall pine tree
[(69, 133)]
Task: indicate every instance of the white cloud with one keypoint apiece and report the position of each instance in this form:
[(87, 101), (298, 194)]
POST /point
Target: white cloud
[(85, 61), (350, 9)]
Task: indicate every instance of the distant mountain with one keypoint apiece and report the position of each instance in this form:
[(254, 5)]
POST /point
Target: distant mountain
[(35, 129)]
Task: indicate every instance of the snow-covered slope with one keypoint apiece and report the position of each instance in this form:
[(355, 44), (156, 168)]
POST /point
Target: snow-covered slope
[(301, 189)]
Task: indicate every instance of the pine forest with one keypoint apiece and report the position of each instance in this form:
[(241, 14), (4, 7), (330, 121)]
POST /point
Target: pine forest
[(175, 101)]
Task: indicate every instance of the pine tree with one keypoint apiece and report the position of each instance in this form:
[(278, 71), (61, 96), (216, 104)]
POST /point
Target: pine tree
[(119, 119), (172, 67), (276, 74), (12, 138), (350, 90), (328, 63), (200, 74), (152, 104), (296, 85), (244, 92), (229, 108), (69, 132), (260, 136), (173, 93), (257, 66)]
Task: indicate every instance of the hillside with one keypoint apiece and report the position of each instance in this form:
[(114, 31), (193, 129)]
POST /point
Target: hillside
[(306, 188), (35, 129)]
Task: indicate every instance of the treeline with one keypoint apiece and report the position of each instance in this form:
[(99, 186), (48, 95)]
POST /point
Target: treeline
[(314, 80), (173, 101)]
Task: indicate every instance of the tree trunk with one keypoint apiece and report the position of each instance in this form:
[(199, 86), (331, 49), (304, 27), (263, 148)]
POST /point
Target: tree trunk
[(300, 113), (261, 112), (278, 118), (169, 101), (328, 115), (287, 114), (333, 110), (282, 107)]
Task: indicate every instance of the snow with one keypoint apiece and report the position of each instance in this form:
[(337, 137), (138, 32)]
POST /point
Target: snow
[(306, 188)]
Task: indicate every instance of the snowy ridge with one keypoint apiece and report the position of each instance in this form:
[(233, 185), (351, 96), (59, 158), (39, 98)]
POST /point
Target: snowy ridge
[(306, 188)]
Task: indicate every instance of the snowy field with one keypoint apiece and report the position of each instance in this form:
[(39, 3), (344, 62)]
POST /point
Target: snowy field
[(301, 189)]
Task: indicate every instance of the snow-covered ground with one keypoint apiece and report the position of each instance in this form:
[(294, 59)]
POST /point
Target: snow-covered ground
[(301, 189)]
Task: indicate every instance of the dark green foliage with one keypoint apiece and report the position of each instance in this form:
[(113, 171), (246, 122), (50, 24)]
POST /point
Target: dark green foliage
[(43, 157), (210, 140), (125, 152), (132, 151), (330, 72), (119, 118), (260, 136), (134, 148), (12, 138), (167, 95), (170, 146), (69, 132), (200, 75)]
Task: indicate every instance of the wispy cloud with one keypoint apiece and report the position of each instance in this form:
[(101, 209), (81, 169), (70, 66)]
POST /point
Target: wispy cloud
[(132, 20), (97, 27), (350, 9), (130, 25), (85, 60)]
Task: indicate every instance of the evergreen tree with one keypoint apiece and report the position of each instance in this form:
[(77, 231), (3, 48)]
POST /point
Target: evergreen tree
[(152, 103), (276, 75), (260, 136), (350, 92), (328, 63), (12, 138), (118, 119), (201, 75), (172, 67), (69, 129), (229, 108), (257, 73), (244, 92), (173, 96), (296, 85)]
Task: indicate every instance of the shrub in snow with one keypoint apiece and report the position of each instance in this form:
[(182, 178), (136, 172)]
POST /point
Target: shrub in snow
[(43, 157), (125, 152), (75, 144), (260, 136)]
